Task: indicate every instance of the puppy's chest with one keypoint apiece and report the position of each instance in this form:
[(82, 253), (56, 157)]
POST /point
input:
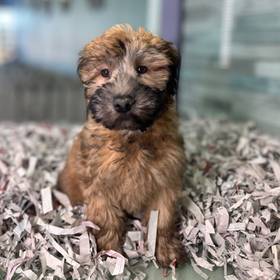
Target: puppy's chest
[(124, 167)]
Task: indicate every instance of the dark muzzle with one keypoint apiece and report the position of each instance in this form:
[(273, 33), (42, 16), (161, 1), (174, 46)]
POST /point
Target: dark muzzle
[(123, 103)]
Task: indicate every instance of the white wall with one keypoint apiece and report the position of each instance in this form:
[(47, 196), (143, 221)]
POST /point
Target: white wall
[(53, 40)]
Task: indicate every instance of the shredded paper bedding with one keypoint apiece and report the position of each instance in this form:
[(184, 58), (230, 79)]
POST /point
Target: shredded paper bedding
[(230, 208)]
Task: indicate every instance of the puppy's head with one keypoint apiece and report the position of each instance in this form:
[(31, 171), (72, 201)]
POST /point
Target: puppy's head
[(129, 77)]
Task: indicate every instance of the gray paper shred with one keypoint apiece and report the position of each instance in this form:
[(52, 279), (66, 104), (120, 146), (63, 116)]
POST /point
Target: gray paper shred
[(230, 208), (243, 165)]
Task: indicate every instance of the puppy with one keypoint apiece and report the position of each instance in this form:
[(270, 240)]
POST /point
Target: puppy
[(129, 157)]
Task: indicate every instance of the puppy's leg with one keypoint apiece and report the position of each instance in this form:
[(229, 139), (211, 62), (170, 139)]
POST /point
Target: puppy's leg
[(110, 219), (68, 179), (168, 245), (68, 183)]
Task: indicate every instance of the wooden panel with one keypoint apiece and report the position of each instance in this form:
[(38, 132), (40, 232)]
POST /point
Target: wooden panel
[(30, 94)]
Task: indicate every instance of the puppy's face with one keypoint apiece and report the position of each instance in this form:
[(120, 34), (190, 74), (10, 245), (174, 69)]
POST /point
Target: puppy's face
[(129, 77)]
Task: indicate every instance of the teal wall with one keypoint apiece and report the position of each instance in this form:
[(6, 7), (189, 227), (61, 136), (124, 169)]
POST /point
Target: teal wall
[(249, 88), (53, 39)]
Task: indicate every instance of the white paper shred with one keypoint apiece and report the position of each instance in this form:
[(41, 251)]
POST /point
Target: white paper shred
[(63, 199), (135, 235), (28, 274), (46, 196), (173, 272), (202, 262), (66, 231), (24, 225), (84, 244), (237, 227), (49, 261), (276, 169), (194, 209), (63, 252), (115, 262), (31, 167), (152, 233), (275, 252), (230, 214), (222, 219), (243, 206)]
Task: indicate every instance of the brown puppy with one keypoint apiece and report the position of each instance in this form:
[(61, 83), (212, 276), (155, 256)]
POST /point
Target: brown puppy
[(129, 156)]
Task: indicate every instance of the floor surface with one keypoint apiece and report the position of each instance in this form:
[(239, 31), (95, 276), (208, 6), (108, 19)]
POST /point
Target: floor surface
[(185, 272)]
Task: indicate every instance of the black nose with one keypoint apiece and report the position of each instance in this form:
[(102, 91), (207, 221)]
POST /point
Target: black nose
[(123, 104)]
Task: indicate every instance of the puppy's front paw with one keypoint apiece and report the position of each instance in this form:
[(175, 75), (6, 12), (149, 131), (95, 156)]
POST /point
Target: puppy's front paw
[(109, 241), (169, 249)]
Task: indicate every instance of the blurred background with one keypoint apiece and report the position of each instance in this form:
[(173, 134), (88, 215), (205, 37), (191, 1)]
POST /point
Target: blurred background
[(230, 55)]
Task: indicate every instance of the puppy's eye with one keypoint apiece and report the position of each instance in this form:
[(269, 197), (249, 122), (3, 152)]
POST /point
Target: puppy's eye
[(141, 69), (105, 73)]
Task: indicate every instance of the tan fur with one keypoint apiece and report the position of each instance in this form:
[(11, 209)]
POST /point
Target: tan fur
[(115, 172)]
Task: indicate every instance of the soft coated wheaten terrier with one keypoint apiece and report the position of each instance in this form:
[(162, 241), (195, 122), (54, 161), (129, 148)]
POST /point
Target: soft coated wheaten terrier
[(129, 157)]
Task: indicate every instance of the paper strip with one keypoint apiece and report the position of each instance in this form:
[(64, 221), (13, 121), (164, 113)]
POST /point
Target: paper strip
[(46, 196), (152, 233)]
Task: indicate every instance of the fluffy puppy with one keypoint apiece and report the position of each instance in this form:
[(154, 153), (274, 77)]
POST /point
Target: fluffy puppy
[(129, 157)]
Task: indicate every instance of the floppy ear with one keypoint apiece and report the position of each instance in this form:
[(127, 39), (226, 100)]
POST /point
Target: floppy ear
[(174, 67), (84, 69), (85, 72), (174, 58)]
